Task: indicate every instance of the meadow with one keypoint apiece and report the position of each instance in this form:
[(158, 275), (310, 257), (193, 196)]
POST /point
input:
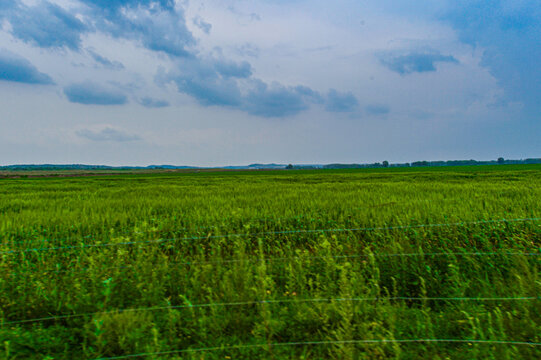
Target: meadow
[(433, 263)]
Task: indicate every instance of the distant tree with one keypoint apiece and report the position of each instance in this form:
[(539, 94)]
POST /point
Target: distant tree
[(501, 160), (385, 163), (289, 167)]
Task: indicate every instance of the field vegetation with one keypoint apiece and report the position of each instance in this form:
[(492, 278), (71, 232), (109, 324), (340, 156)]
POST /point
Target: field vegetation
[(341, 264)]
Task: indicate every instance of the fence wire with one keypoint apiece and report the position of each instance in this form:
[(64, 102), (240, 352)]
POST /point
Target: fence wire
[(262, 302), (292, 259), (283, 232), (330, 342)]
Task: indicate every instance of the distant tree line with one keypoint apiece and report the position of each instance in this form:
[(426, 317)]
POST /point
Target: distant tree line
[(385, 164)]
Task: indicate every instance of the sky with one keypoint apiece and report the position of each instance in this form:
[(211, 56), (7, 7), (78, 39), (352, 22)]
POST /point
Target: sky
[(216, 82)]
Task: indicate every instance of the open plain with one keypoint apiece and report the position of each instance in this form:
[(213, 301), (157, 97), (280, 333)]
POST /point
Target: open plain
[(433, 263)]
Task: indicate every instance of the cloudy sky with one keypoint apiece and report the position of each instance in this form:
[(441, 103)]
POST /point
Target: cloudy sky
[(228, 82)]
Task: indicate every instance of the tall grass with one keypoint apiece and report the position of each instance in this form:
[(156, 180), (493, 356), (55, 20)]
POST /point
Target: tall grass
[(276, 269)]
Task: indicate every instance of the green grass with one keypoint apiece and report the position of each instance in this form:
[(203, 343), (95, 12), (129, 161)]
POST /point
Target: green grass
[(63, 252)]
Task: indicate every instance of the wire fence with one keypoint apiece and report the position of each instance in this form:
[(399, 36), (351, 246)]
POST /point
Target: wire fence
[(283, 232), (293, 259), (296, 300), (277, 301), (329, 342), (184, 229), (261, 220), (359, 256)]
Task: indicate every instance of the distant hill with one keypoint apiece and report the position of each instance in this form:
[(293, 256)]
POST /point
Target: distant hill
[(49, 167), (56, 167)]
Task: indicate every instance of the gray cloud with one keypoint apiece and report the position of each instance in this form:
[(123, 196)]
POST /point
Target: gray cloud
[(17, 69), (157, 25), (415, 61), (115, 5), (377, 109), (485, 108), (274, 101), (210, 91), (320, 48), (107, 134), (202, 80), (89, 93), (103, 61), (153, 103), (218, 82), (161, 27), (341, 101), (309, 94), (255, 17), (248, 49), (202, 24), (509, 34), (233, 69), (46, 25)]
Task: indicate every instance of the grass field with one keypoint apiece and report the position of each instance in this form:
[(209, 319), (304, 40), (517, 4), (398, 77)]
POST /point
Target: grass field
[(349, 264)]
